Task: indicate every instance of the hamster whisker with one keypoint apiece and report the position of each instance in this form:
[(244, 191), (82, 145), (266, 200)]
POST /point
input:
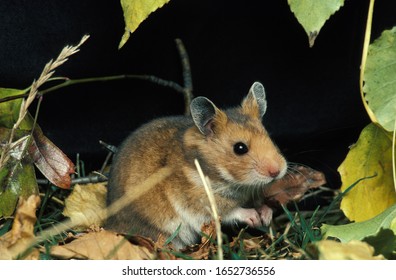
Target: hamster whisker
[(252, 158)]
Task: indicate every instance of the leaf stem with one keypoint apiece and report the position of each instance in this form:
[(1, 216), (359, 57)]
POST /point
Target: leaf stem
[(69, 82), (393, 155), (364, 59)]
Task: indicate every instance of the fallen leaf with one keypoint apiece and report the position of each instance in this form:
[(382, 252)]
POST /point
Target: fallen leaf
[(15, 243), (248, 246), (294, 185), (371, 155), (135, 12), (208, 231), (360, 230), (142, 241), (312, 14), (164, 250), (206, 247), (85, 203), (380, 78), (253, 244), (50, 160), (353, 250), (101, 245)]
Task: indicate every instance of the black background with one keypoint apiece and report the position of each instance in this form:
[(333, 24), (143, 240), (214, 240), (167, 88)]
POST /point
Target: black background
[(314, 112)]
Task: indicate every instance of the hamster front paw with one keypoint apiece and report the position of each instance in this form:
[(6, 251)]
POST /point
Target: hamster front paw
[(265, 213), (250, 216)]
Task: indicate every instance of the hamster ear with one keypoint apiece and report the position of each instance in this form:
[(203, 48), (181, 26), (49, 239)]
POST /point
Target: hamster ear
[(204, 114), (255, 102)]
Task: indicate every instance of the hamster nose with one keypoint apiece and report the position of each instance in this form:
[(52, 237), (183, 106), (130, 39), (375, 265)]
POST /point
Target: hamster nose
[(274, 173)]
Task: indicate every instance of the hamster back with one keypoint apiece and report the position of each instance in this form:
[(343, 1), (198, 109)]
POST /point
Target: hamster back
[(234, 150)]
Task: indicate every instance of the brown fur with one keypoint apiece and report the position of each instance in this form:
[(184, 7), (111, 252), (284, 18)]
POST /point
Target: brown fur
[(181, 199)]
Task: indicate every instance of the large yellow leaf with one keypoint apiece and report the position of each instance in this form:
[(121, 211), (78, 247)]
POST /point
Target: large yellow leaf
[(353, 250), (101, 245), (371, 155), (135, 12), (85, 203)]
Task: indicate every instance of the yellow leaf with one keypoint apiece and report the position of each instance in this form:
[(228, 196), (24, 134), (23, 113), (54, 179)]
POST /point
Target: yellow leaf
[(371, 155), (135, 12), (353, 250), (85, 203), (14, 243)]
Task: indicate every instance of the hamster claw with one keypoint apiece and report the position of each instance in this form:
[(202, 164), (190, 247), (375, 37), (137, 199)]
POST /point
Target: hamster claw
[(250, 216), (265, 213)]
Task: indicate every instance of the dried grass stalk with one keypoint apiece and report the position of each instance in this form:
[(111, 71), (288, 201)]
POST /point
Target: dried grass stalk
[(213, 206), (47, 72)]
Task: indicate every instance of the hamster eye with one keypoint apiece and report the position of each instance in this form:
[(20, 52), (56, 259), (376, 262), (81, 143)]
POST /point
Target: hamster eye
[(240, 148)]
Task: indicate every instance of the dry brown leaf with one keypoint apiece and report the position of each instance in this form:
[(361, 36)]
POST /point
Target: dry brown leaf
[(50, 160), (142, 241), (85, 203), (14, 243), (208, 232), (166, 255), (202, 251), (251, 243), (164, 251), (100, 246), (160, 243), (254, 243)]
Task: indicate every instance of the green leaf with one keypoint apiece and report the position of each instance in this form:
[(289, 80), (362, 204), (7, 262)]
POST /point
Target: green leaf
[(380, 79), (49, 159), (371, 155), (17, 179), (135, 12), (360, 230), (312, 14), (9, 111), (17, 174)]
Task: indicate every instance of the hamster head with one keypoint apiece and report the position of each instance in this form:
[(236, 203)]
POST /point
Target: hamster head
[(235, 143)]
